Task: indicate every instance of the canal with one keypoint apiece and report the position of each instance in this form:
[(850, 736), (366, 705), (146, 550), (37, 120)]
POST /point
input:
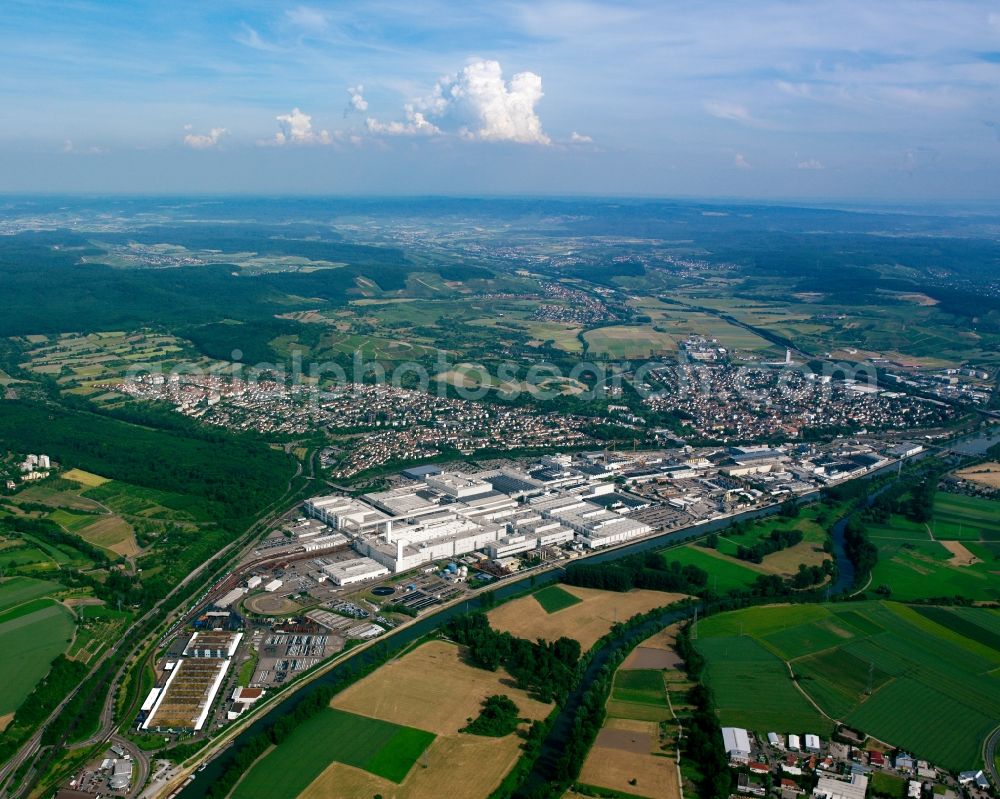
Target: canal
[(396, 641)]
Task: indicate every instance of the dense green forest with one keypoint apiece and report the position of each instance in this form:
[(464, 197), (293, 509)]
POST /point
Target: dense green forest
[(239, 475)]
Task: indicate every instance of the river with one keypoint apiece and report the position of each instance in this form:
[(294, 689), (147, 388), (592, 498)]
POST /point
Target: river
[(975, 444)]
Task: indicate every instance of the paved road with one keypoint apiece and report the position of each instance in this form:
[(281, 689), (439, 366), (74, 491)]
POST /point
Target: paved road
[(31, 748), (990, 755)]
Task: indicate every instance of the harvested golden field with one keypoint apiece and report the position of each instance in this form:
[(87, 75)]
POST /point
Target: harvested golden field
[(586, 621), (655, 776), (786, 561), (433, 689), (111, 532), (985, 474), (960, 555), (85, 478), (457, 766)]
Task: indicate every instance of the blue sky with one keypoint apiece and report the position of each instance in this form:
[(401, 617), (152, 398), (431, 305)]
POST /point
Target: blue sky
[(804, 99)]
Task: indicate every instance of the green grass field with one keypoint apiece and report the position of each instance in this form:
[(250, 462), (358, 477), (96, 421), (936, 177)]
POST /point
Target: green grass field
[(881, 667), (965, 518), (921, 570), (724, 573), (553, 599), (914, 564), (753, 688), (15, 590), (380, 747), (31, 635), (639, 686)]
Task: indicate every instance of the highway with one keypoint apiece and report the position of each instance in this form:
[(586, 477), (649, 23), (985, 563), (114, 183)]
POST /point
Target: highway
[(31, 748)]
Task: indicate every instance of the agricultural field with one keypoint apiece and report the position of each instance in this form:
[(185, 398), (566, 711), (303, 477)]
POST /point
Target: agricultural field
[(585, 621), (984, 474), (621, 342), (725, 573), (955, 554), (880, 667), (83, 504), (554, 598), (18, 590), (97, 626), (384, 749), (634, 749), (965, 518), (431, 692), (82, 362), (32, 634), (432, 688)]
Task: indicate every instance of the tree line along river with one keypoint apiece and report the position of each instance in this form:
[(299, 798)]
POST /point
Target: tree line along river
[(397, 640)]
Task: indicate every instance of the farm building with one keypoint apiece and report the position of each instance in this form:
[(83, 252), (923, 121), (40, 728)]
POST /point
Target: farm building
[(736, 742), (812, 743), (773, 739), (794, 744)]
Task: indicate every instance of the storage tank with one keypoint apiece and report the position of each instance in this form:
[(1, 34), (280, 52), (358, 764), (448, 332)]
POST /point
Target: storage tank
[(453, 567)]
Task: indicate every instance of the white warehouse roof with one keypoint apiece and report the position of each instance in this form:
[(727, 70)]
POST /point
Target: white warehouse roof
[(736, 741)]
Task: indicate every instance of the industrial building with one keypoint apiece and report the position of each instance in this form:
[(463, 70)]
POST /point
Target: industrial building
[(504, 512), (736, 742), (357, 570), (832, 788), (185, 699), (121, 774)]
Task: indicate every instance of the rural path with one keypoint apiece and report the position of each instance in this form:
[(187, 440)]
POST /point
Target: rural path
[(862, 590), (809, 699), (677, 744)]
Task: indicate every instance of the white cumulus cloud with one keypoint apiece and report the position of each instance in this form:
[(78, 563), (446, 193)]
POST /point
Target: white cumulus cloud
[(812, 163), (357, 100), (297, 128), (203, 141), (416, 124), (740, 162), (476, 103), (579, 138), (505, 111)]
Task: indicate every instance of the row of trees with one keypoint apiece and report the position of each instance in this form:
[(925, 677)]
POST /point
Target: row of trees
[(775, 542), (702, 742), (547, 670), (648, 570)]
